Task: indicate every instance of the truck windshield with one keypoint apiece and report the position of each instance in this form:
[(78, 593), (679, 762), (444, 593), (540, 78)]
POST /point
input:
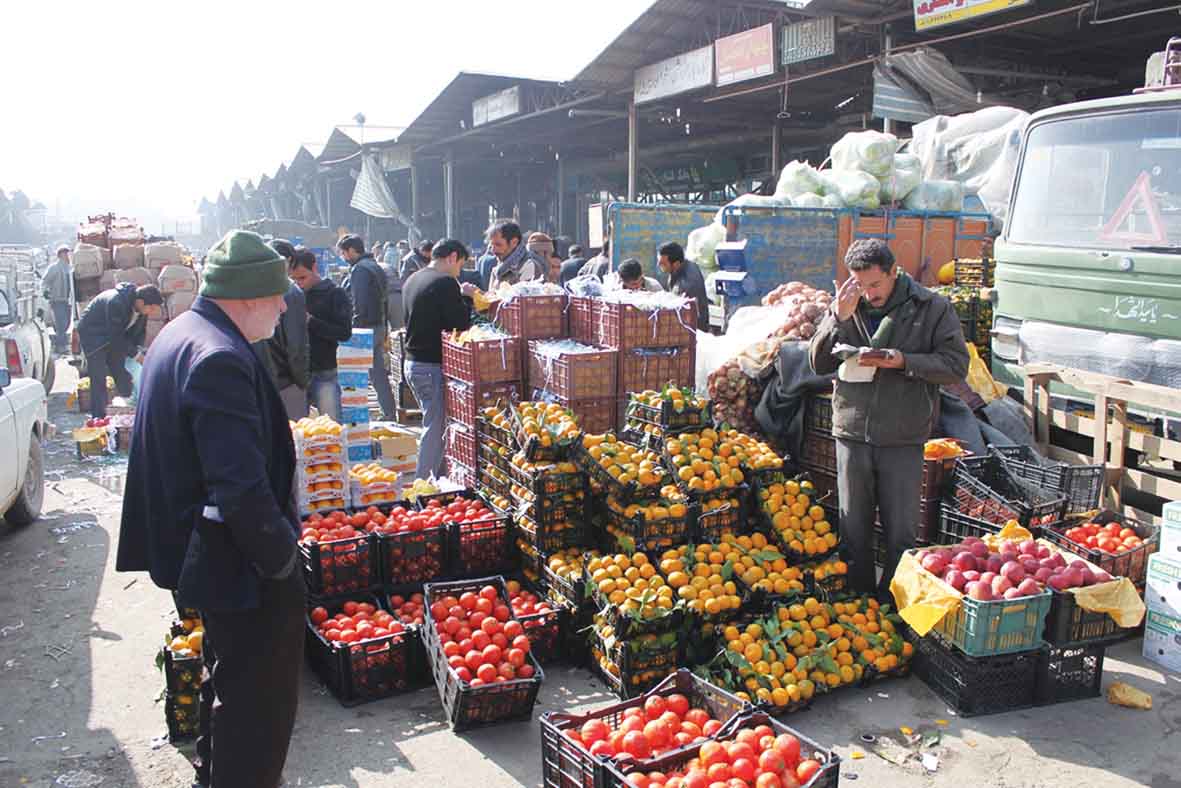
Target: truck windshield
[(1110, 181)]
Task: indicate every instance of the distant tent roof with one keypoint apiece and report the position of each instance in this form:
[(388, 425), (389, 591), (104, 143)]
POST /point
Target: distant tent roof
[(264, 184), (339, 146), (303, 163), (281, 173), (236, 193), (221, 198), (205, 206)]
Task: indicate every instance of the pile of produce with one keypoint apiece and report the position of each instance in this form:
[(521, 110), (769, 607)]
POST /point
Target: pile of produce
[(479, 333), (717, 460), (662, 724), (761, 567), (408, 610), (1110, 538), (802, 526), (942, 448), (1011, 571), (550, 423), (481, 641), (627, 464), (702, 577), (630, 584), (356, 623)]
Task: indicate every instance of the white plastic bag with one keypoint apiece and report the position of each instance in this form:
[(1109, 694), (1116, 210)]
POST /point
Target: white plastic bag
[(936, 196), (855, 188), (832, 201), (702, 244), (797, 178), (808, 200), (753, 201), (902, 180), (869, 151)]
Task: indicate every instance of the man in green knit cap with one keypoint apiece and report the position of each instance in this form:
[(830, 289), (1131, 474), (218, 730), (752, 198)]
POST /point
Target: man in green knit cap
[(208, 509)]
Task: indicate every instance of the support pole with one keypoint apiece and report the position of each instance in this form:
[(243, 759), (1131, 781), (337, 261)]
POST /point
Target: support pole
[(776, 144), (887, 42), (449, 193), (561, 202), (632, 148), (414, 193)]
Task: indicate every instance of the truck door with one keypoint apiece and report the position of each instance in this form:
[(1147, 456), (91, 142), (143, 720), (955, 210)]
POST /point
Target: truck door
[(12, 463)]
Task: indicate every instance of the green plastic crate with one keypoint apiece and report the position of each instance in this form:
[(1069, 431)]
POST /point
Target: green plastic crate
[(985, 629)]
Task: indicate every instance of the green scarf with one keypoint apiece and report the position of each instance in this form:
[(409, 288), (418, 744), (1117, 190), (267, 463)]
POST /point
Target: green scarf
[(903, 290)]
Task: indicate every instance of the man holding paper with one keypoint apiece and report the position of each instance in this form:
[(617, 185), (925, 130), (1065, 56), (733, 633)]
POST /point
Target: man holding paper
[(892, 343)]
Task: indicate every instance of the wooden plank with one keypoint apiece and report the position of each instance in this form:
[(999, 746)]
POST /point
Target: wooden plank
[(1151, 445), (1030, 399), (1148, 394), (1043, 408), (1152, 485), (1119, 439), (1099, 449)]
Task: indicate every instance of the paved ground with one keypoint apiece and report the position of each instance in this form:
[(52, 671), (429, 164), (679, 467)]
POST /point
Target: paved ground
[(78, 690)]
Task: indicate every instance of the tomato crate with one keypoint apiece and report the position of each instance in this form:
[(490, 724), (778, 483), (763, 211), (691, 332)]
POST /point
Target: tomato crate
[(482, 361), (466, 402), (1069, 673), (411, 558), (181, 674), (465, 706), (533, 317), (618, 774), (182, 713), (818, 453), (345, 566), (573, 376), (460, 442), (974, 687), (653, 368), (1068, 624), (631, 667), (652, 536), (1081, 484), (731, 517), (567, 764), (364, 670), (581, 313), (984, 488), (499, 435), (544, 629), (818, 414), (1006, 626), (1132, 564), (627, 327), (667, 417)]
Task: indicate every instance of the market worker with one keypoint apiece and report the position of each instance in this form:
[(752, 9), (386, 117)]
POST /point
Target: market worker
[(365, 283), (285, 355), (572, 265), (685, 279), (433, 303), (208, 509), (57, 284), (111, 330), (885, 401), (505, 241), (330, 322), (630, 276), (599, 265)]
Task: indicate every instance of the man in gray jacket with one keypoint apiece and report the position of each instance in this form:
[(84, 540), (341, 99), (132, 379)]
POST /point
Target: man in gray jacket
[(366, 285), (885, 399), (286, 353), (57, 284)]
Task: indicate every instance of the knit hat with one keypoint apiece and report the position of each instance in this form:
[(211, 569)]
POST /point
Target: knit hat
[(241, 265)]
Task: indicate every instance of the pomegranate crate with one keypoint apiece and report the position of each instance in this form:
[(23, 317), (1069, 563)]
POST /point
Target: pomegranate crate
[(1081, 484), (1069, 673), (567, 764), (466, 401), (627, 327), (466, 706), (533, 317), (644, 369), (581, 312), (1132, 564), (460, 444), (573, 376), (973, 687), (482, 361), (618, 774), (1006, 626), (411, 558), (345, 566), (985, 488), (364, 670)]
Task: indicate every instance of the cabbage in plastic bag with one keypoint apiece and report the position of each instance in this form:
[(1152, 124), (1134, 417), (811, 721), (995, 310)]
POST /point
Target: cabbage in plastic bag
[(936, 196), (901, 181), (754, 201), (832, 201), (856, 189), (808, 200), (868, 151), (797, 178), (703, 243)]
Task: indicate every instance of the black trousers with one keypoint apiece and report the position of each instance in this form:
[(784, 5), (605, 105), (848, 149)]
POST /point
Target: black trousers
[(253, 661), (872, 482), (99, 365)]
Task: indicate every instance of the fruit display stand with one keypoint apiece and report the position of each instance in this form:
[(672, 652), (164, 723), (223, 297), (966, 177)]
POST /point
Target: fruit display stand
[(567, 759), (363, 669)]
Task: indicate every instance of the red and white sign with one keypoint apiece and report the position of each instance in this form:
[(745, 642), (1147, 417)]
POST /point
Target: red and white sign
[(746, 55)]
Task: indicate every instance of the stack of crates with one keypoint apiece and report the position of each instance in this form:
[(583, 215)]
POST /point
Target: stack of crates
[(354, 359), (577, 376)]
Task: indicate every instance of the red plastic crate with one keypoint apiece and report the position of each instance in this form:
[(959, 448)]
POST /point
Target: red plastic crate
[(466, 401), (580, 313), (533, 317), (482, 361), (574, 376), (459, 441), (627, 327), (644, 369)]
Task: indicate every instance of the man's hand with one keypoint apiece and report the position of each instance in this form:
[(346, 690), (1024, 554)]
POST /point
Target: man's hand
[(467, 288), (892, 360), (848, 296)]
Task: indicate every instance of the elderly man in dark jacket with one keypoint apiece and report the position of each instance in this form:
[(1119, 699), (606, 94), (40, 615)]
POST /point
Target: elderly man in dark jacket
[(884, 400), (366, 285), (111, 330), (208, 508)]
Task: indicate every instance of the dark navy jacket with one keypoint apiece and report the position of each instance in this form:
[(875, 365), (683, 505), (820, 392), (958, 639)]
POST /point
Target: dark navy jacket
[(210, 430), (104, 322)]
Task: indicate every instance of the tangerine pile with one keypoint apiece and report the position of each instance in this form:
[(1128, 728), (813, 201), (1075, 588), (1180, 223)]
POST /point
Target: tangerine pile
[(762, 567), (549, 422), (703, 462), (631, 584), (702, 577), (800, 523), (625, 463)]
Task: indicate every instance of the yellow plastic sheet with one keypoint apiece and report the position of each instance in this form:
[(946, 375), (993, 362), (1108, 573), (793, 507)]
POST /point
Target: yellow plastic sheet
[(923, 599), (87, 434), (980, 379)]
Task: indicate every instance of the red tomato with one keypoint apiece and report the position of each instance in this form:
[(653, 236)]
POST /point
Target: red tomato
[(807, 770), (319, 615), (655, 706), (349, 608), (468, 601), (491, 655), (594, 730), (516, 657), (525, 671), (789, 747), (768, 780), (487, 673), (474, 660), (743, 769), (521, 642), (772, 761), (718, 772), (513, 629), (636, 745)]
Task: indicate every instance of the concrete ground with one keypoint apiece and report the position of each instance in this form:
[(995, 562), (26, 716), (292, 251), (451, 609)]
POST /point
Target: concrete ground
[(79, 690)]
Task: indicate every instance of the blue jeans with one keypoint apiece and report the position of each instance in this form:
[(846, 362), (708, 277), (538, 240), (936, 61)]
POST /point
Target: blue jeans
[(379, 376), (61, 325), (426, 381), (324, 393)]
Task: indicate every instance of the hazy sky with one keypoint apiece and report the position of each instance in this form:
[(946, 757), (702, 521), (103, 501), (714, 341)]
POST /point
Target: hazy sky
[(147, 106)]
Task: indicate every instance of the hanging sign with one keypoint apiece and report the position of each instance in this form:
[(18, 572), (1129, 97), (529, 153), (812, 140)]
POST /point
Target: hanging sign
[(678, 74), (746, 55), (929, 14), (809, 40)]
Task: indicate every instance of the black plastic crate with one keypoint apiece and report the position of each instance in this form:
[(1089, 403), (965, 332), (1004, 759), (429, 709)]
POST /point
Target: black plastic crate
[(567, 764), (182, 713), (669, 419), (568, 507), (828, 776), (182, 675), (986, 489), (345, 566), (532, 447), (640, 667), (975, 686), (490, 453), (501, 436), (550, 537), (628, 627), (628, 492), (819, 452), (411, 558), (365, 670), (818, 414), (709, 526), (1065, 674), (1132, 564), (544, 629), (481, 548), (954, 526), (1081, 484), (547, 481), (652, 536), (1068, 624), (570, 591)]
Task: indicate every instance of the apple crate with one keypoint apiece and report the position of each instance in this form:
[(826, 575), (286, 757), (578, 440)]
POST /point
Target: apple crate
[(365, 670), (482, 361), (466, 401), (581, 313), (465, 706), (573, 376), (628, 327), (567, 764), (1132, 564), (984, 488), (974, 687), (1006, 626), (533, 317), (618, 774), (1081, 484), (644, 369), (345, 566), (1069, 673)]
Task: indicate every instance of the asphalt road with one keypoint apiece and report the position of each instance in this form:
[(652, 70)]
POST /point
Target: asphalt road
[(79, 690)]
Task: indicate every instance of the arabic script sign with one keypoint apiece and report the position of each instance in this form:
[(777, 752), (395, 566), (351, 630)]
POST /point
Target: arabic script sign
[(746, 55), (685, 72), (930, 14)]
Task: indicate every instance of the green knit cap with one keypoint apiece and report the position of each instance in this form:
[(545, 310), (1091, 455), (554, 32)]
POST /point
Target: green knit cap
[(241, 265)]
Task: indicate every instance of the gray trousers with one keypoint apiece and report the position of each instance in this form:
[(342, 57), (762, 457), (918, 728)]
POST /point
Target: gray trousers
[(873, 481)]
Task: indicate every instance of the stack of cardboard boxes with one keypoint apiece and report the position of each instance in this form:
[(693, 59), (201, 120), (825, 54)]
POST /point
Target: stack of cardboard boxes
[(1162, 594)]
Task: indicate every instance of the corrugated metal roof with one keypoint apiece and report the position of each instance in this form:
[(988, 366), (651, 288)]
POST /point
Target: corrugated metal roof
[(303, 163), (858, 9), (339, 146), (443, 115)]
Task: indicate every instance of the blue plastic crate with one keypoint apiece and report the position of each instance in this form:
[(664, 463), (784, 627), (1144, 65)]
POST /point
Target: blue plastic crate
[(360, 452), (1007, 626), (352, 379), (361, 338), (357, 415)]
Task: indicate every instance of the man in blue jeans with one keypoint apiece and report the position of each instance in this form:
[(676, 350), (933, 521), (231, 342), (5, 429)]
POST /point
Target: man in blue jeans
[(330, 322), (432, 302)]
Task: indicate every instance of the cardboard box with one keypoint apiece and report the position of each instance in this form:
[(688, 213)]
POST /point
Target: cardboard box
[(1170, 532), (1162, 640), (354, 397), (1162, 591)]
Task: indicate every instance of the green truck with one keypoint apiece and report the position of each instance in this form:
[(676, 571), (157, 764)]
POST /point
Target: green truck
[(1088, 270)]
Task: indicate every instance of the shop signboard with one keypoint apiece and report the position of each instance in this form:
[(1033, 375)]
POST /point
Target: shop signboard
[(746, 55), (929, 14), (677, 74), (809, 40), (499, 105)]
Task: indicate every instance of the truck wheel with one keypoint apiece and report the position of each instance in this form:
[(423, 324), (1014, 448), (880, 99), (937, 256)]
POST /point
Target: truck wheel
[(27, 506)]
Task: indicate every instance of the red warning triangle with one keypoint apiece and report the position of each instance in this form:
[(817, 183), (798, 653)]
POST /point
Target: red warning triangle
[(1139, 195)]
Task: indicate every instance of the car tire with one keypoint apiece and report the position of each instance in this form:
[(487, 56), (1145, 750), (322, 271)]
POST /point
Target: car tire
[(27, 506)]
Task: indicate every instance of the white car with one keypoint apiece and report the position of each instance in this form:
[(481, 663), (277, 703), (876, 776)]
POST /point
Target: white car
[(24, 338), (23, 424)]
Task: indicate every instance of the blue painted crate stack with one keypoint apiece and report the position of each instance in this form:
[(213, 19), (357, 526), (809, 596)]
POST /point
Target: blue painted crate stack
[(354, 359)]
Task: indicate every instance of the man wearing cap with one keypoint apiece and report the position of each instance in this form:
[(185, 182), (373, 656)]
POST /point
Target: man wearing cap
[(208, 509), (57, 284), (111, 330), (366, 285)]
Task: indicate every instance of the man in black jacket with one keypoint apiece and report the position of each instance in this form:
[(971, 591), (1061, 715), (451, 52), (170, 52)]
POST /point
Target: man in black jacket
[(111, 330), (286, 353), (365, 283), (330, 322), (208, 509)]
